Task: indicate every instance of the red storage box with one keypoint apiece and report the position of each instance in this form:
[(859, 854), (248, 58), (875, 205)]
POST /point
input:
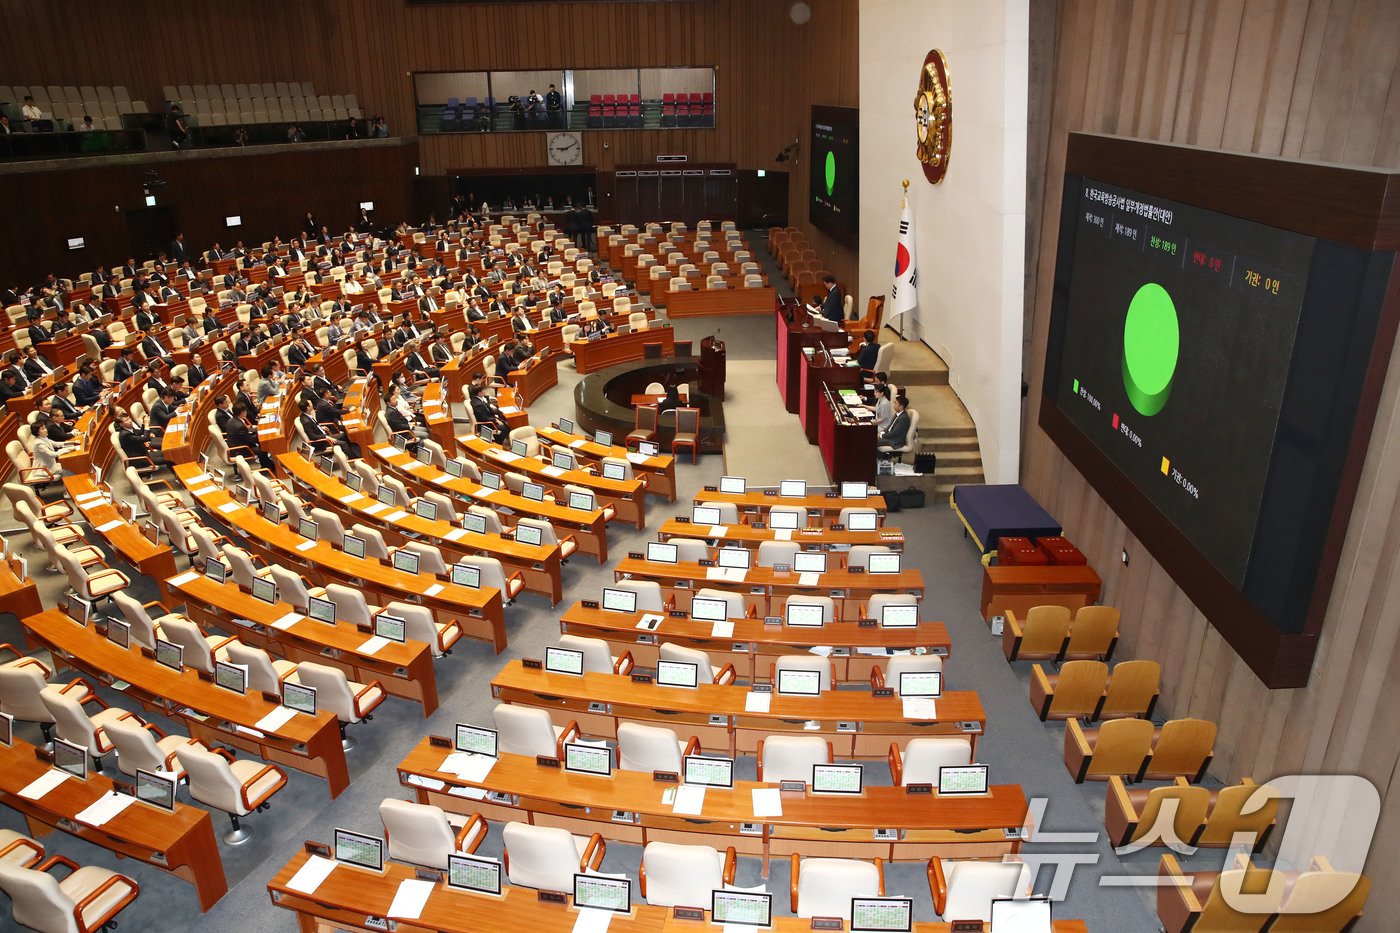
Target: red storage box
[(1020, 552), (1060, 552)]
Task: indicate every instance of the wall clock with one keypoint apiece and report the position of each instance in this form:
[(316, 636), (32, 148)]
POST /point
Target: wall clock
[(933, 117), (564, 148)]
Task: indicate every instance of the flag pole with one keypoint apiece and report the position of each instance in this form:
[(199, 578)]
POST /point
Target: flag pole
[(904, 203)]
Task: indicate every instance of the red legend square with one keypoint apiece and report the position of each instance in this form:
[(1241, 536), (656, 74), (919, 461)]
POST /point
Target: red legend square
[(1115, 422)]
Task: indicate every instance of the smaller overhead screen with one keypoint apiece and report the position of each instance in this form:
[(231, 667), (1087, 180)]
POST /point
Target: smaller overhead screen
[(833, 182)]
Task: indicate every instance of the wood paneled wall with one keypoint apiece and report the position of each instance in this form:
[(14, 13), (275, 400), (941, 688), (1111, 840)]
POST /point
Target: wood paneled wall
[(769, 70), (1305, 79)]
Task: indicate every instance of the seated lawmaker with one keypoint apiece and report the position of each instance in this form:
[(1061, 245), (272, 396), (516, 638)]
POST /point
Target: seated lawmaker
[(897, 434)]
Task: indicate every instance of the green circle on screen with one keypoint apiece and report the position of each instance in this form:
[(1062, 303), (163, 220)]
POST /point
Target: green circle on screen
[(830, 173), (1151, 348)]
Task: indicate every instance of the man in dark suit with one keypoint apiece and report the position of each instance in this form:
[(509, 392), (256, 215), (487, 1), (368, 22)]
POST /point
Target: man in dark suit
[(300, 351), (154, 350), (868, 351), (834, 303), (898, 431), (126, 365), (196, 373), (177, 249), (240, 433), (146, 319), (63, 403), (164, 409), (87, 388), (35, 366), (38, 333), (223, 412)]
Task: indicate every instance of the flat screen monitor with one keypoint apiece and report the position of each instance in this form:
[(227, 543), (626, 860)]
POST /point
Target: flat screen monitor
[(882, 915), (118, 632), (595, 892), (474, 523), (454, 468), (466, 575), (322, 610), (76, 242), (158, 790), (425, 509), (614, 471), (355, 481), (836, 779), (809, 562), (532, 491), (366, 205), (797, 683), (307, 529), (648, 448), (899, 617), (709, 609), (587, 759), (563, 660), (475, 740), (853, 491), (7, 729), (619, 600), (271, 511), (566, 426), (265, 590), (862, 521), (327, 464), (604, 437), (353, 545), (583, 501), (170, 654), (387, 496), (882, 562), (474, 873), (406, 561), (359, 850), (962, 779), (736, 558), (562, 460), (1021, 915), (77, 608), (233, 220), (793, 488), (299, 697), (423, 454), (804, 615), (530, 535), (70, 757), (215, 570), (920, 684), (485, 433), (490, 480), (741, 909), (735, 485), (390, 627), (705, 515), (519, 448), (677, 674), (232, 677), (708, 770), (782, 519), (661, 553)]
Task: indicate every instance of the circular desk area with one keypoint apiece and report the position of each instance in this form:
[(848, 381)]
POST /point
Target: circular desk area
[(603, 400)]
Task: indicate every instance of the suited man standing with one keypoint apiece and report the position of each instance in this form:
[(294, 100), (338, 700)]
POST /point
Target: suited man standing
[(178, 251), (834, 304)]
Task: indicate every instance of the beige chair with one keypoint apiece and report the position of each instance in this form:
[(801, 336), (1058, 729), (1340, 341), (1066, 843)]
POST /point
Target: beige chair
[(803, 662), (825, 603), (87, 900), (823, 887), (723, 675), (66, 706), (422, 834), (675, 875), (547, 858), (901, 664), (419, 625), (19, 851), (138, 747), (493, 575), (652, 748), (649, 598), (772, 553), (549, 537), (922, 757), (791, 757), (265, 673), (200, 651), (238, 787), (350, 702), (22, 683), (528, 731), (964, 890), (859, 556), (597, 659)]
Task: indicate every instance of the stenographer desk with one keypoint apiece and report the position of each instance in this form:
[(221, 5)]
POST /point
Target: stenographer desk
[(593, 355), (792, 338), (847, 442), (818, 374)]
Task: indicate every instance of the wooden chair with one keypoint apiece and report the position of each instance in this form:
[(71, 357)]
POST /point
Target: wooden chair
[(1199, 901), (1094, 634), (1245, 807), (645, 422), (1132, 690), (687, 432), (1042, 637), (1075, 693), (1130, 815), (1182, 747), (1119, 746)]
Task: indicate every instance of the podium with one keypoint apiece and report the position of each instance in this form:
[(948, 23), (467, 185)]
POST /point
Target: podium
[(712, 367)]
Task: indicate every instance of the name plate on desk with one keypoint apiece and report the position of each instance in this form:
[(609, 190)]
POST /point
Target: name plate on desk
[(635, 555), (679, 614), (855, 570), (771, 492), (782, 568), (439, 741), (882, 691), (688, 913), (706, 562), (837, 526), (553, 897), (590, 604), (545, 761), (428, 875), (772, 620), (641, 678), (758, 526), (828, 923), (712, 489), (966, 926), (867, 623), (792, 787), (682, 519), (317, 848), (831, 495), (761, 688), (918, 788), (531, 664), (665, 777)]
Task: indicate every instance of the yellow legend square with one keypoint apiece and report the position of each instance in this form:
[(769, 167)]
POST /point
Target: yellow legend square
[(1166, 465)]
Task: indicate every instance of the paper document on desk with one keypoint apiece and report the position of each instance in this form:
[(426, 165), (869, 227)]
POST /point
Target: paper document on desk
[(505, 456), (735, 574), (634, 457), (649, 621), (757, 702), (767, 801), (43, 784), (456, 534), (552, 470), (309, 877), (433, 590), (108, 526), (417, 780), (276, 719), (410, 899), (350, 498), (395, 515), (86, 496), (592, 920), (104, 808), (228, 507), (578, 443), (288, 620), (821, 650), (690, 800), (182, 579), (715, 573), (306, 545), (782, 534), (921, 708), (471, 793), (509, 410), (469, 767), (722, 629), (374, 508), (718, 531), (372, 645), (808, 579)]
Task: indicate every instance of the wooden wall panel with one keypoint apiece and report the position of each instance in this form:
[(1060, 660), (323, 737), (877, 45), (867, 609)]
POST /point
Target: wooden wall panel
[(1312, 79), (769, 70)]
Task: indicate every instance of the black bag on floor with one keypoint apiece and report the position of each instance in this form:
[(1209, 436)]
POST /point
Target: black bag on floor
[(892, 503), (924, 461), (911, 498)]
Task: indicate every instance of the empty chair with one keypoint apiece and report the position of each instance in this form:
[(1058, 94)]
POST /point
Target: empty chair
[(200, 650), (423, 834), (701, 659), (1041, 637), (900, 664), (690, 550), (1130, 815), (291, 588), (1322, 900), (265, 673), (375, 548), (1207, 901), (489, 516), (328, 526), (430, 559), (1132, 690), (1245, 807), (238, 787), (526, 730), (87, 899), (547, 858), (687, 428), (804, 662), (648, 592), (1093, 635), (350, 702), (75, 725), (680, 875), (921, 759), (844, 518), (652, 748), (964, 890), (772, 553), (22, 683), (796, 510), (549, 537), (17, 850), (1181, 748), (645, 425), (823, 887), (1074, 693), (859, 555), (144, 628), (493, 575), (828, 606), (419, 625), (1119, 746), (791, 757), (137, 746), (597, 659)]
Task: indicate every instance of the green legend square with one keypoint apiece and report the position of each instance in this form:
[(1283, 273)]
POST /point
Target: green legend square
[(1076, 387)]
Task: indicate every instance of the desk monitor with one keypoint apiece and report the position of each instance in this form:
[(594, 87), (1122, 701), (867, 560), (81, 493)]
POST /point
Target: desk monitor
[(708, 770), (677, 674), (793, 488), (474, 873), (170, 654), (387, 496), (797, 683), (7, 729), (519, 448), (322, 610), (490, 480), (882, 562), (837, 779), (862, 521), (299, 697), (423, 454), (466, 575), (391, 627), (532, 491), (486, 434), (70, 757), (307, 529), (353, 545), (804, 615), (661, 553), (782, 520), (425, 509), (614, 471), (619, 600), (118, 633), (359, 850), (921, 684), (530, 535), (809, 562), (215, 569), (232, 677), (603, 437), (327, 463), (454, 468), (566, 426), (882, 914), (854, 491), (354, 480), (709, 609), (732, 484), (77, 608), (271, 511), (474, 523), (741, 908), (264, 589), (599, 893), (737, 558), (562, 460), (563, 660), (899, 617), (962, 779), (1021, 915), (406, 561), (582, 501), (158, 790), (705, 515), (648, 448), (587, 759), (476, 740)]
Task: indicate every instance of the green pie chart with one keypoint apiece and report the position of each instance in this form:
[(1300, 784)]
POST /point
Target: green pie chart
[(830, 173), (1151, 349)]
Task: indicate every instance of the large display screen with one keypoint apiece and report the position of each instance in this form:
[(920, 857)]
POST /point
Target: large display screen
[(834, 175)]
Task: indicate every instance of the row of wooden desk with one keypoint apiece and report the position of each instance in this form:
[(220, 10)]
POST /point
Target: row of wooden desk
[(659, 470), (593, 355), (746, 535), (825, 507)]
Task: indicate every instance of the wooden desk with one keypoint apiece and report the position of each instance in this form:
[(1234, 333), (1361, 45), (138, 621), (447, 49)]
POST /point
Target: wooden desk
[(541, 375), (210, 713), (180, 842), (599, 702), (810, 825), (826, 508), (626, 496), (847, 444), (538, 564), (660, 470), (791, 338), (18, 594), (710, 301), (767, 590), (753, 646), (1019, 588), (743, 535), (813, 378), (95, 504), (404, 670), (591, 356)]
